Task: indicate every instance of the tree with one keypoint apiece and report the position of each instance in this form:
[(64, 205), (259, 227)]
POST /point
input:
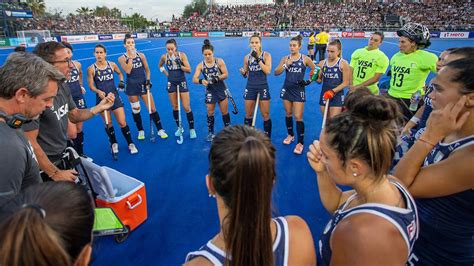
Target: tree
[(37, 7), (101, 11), (84, 11), (115, 13), (137, 21), (199, 6)]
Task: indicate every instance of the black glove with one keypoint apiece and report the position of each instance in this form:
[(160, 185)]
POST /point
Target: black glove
[(303, 82), (148, 84), (179, 62), (121, 85), (214, 80), (254, 54)]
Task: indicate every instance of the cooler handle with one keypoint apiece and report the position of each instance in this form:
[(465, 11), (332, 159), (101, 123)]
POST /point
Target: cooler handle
[(131, 207)]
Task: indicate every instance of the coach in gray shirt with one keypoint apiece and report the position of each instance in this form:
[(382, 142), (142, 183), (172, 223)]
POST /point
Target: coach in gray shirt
[(27, 87), (48, 134)]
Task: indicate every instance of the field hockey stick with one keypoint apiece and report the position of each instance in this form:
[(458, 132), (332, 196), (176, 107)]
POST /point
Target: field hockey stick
[(229, 95), (180, 126), (152, 129), (231, 99), (325, 115), (255, 110)]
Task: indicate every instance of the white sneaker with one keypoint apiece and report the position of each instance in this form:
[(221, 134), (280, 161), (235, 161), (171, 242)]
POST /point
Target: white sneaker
[(162, 134), (192, 133), (133, 149), (179, 132), (141, 135), (115, 148)]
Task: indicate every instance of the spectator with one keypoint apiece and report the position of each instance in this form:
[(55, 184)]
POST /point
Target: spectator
[(27, 87)]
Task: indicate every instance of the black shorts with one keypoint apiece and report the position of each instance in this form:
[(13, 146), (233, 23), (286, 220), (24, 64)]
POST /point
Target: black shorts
[(172, 86), (310, 46), (293, 94), (117, 103), (214, 96), (251, 93), (135, 88)]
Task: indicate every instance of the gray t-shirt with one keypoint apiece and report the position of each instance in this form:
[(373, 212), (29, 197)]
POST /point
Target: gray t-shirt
[(52, 123), (18, 166)]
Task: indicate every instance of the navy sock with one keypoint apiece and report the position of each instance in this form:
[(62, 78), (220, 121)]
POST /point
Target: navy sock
[(267, 127), (156, 118), (190, 118), (126, 134), (289, 125), (210, 124), (138, 121), (300, 131), (226, 119)]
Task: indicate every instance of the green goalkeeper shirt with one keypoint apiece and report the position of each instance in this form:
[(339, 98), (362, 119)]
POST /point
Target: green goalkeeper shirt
[(366, 63), (409, 72)]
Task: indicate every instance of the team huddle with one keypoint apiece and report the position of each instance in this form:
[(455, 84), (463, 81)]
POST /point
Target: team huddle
[(411, 189)]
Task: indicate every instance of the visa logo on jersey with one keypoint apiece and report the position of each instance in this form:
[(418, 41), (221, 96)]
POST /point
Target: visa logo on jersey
[(74, 78), (61, 111), (365, 63), (137, 64), (295, 69), (255, 68), (106, 77), (401, 69), (329, 75)]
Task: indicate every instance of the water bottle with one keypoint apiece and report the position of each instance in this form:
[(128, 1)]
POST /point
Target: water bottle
[(415, 99)]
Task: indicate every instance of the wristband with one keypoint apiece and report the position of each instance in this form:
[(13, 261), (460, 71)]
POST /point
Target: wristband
[(162, 69), (200, 81), (415, 120)]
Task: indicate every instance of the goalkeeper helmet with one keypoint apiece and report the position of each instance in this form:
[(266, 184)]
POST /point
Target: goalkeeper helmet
[(417, 33)]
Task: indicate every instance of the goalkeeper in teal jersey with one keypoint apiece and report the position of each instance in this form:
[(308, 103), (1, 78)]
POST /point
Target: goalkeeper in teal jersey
[(368, 64), (411, 66)]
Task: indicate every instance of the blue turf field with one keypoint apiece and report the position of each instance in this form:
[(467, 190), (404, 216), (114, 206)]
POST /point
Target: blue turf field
[(181, 216)]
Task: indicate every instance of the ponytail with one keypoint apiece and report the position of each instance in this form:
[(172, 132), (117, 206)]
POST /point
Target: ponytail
[(51, 224), (27, 240), (242, 170)]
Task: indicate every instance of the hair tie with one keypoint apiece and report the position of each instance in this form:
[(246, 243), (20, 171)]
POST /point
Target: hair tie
[(250, 138), (37, 208)]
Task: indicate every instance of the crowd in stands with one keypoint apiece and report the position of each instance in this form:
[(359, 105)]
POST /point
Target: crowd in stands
[(445, 16), (75, 24)]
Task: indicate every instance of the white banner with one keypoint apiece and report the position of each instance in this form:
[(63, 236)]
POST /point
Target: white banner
[(335, 34), (390, 34), (79, 38), (142, 35), (119, 36), (368, 34), (454, 35), (247, 33)]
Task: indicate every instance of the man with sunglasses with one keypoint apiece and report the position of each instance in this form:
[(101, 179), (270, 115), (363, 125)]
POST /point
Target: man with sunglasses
[(48, 133)]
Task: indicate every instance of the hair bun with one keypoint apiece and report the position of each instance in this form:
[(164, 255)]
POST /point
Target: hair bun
[(372, 108), (128, 35), (207, 42)]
